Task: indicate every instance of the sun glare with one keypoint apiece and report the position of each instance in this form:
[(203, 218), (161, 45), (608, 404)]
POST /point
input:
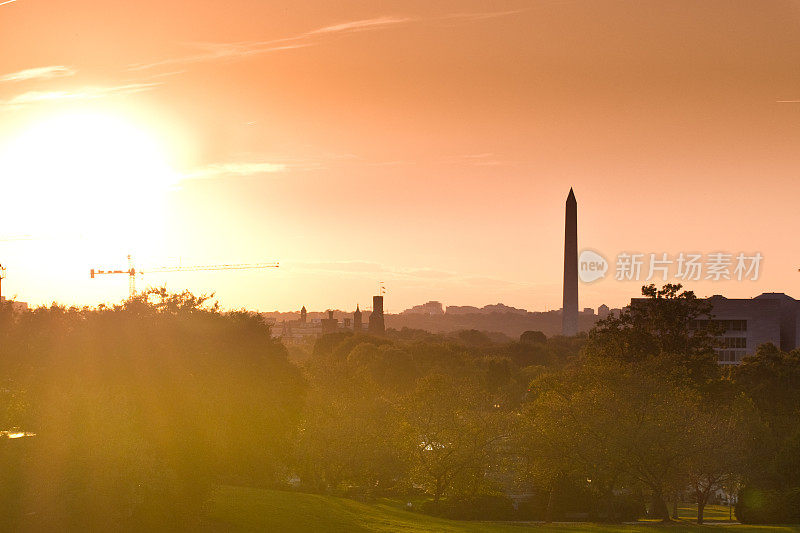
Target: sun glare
[(84, 172)]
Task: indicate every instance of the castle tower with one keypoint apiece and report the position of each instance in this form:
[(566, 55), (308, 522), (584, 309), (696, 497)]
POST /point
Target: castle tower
[(303, 314), (569, 309), (376, 324), (357, 319), (330, 324)]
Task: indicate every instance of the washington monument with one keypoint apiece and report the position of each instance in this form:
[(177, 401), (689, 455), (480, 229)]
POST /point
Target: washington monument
[(569, 309)]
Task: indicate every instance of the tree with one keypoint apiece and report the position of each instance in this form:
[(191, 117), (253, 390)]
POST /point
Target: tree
[(352, 437), (533, 337), (550, 440), (771, 378), (720, 439), (457, 431), (140, 408), (667, 322), (474, 338), (619, 424)]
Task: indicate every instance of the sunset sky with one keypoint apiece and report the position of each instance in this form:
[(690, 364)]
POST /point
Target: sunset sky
[(428, 145)]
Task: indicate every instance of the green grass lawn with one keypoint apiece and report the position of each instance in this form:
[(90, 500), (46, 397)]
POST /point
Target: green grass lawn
[(246, 509), (716, 513)]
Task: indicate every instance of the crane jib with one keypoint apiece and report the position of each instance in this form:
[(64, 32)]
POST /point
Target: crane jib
[(131, 272)]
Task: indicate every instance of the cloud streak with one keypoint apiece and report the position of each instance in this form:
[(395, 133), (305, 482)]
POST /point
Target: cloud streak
[(7, 2), (221, 51), (482, 16), (222, 170), (86, 93), (360, 25), (39, 73)]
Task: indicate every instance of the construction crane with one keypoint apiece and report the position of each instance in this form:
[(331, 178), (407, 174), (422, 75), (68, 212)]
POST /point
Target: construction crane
[(132, 272), (6, 238), (2, 276)]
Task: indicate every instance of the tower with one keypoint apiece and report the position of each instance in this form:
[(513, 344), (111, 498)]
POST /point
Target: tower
[(303, 315), (376, 324), (330, 324), (569, 309), (357, 319)]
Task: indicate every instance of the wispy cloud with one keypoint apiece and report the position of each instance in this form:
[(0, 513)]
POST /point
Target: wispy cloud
[(480, 160), (39, 73), (221, 51), (221, 170), (482, 15), (7, 2), (787, 101), (86, 93), (360, 25)]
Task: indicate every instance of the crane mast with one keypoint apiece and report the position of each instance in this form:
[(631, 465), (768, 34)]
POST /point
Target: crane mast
[(2, 276)]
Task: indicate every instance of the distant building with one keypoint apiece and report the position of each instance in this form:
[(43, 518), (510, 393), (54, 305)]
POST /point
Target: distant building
[(330, 324), (463, 310), (429, 308), (503, 308), (309, 326), (376, 323), (587, 311), (769, 317), (297, 330), (603, 311), (749, 322), (485, 310)]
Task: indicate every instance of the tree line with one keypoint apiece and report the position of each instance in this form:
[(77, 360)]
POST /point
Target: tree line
[(139, 409)]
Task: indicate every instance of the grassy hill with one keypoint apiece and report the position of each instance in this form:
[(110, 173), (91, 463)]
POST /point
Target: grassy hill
[(246, 509)]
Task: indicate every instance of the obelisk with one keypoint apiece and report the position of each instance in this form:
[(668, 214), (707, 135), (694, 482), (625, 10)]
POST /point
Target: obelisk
[(569, 309)]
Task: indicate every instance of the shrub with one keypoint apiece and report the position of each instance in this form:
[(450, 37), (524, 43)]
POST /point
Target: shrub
[(761, 506), (619, 508), (791, 503), (572, 503), (478, 507)]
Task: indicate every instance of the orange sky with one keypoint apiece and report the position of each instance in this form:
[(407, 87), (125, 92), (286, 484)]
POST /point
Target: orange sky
[(429, 145)]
